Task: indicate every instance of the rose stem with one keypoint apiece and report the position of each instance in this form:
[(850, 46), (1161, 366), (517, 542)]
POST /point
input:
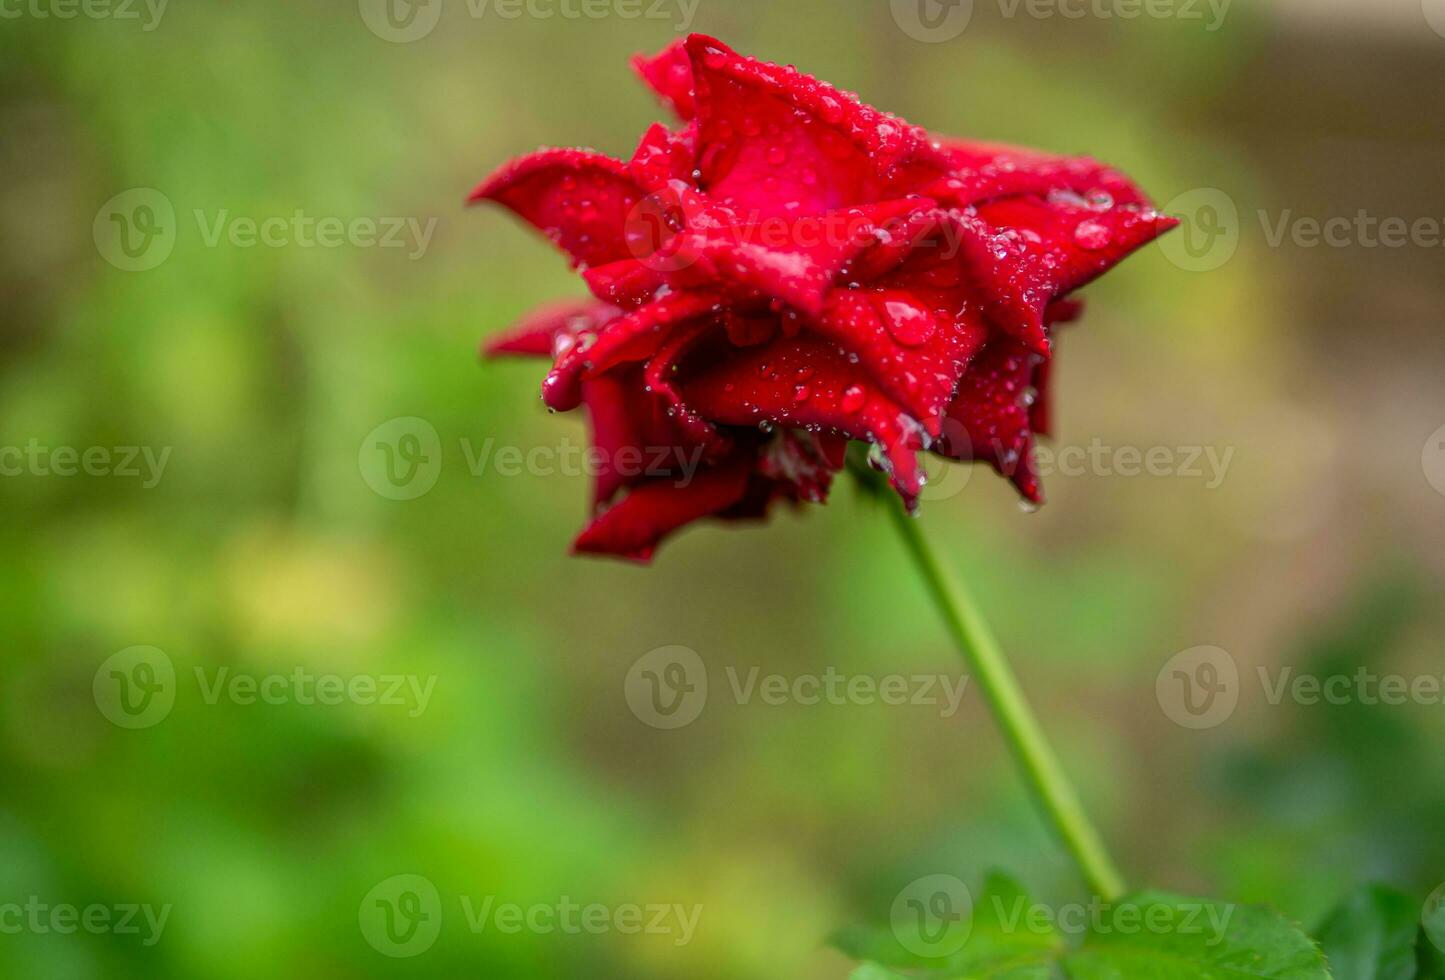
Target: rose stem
[(1021, 729)]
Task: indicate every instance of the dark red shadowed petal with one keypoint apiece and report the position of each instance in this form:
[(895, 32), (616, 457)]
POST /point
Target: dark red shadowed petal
[(806, 382), (773, 141), (631, 337), (537, 333), (577, 198), (629, 429), (653, 509), (639, 335), (669, 74), (802, 464), (990, 419), (1024, 253), (660, 377), (628, 283)]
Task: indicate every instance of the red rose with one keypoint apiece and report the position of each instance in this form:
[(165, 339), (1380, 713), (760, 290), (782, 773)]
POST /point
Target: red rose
[(792, 270)]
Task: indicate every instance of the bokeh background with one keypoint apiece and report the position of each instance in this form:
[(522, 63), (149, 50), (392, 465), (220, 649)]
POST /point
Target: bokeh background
[(262, 549)]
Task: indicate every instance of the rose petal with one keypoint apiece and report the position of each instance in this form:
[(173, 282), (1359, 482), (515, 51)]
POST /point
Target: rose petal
[(669, 74), (987, 171), (537, 334), (990, 419), (632, 337), (795, 261), (804, 382), (663, 156), (577, 198), (1024, 253), (655, 508), (774, 141)]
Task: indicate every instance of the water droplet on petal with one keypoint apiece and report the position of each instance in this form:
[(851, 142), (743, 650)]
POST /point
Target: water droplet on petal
[(854, 398), (1093, 236), (908, 322)]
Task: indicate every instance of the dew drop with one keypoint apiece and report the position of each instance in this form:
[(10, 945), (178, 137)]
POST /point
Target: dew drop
[(908, 322), (1093, 236)]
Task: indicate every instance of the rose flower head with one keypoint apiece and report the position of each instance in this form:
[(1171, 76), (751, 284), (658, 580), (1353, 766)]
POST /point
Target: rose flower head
[(790, 270)]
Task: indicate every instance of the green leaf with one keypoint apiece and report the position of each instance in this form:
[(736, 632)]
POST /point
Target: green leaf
[(1157, 936), (1373, 936), (872, 971), (1005, 938)]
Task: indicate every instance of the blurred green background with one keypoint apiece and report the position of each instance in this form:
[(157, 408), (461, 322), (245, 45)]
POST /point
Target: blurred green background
[(262, 550)]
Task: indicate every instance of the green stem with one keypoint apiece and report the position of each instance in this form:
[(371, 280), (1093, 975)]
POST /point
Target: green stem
[(1021, 729)]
